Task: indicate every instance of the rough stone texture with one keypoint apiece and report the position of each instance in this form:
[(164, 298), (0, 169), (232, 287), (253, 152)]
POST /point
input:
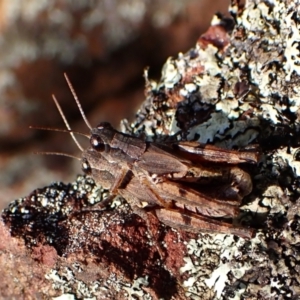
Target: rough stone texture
[(108, 254), (237, 87)]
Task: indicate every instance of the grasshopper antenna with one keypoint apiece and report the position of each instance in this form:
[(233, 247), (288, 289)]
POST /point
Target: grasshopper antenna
[(77, 102), (66, 123), (59, 154), (59, 130)]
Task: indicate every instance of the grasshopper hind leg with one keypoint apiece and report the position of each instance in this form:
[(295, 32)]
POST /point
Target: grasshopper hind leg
[(234, 185), (198, 223), (239, 186)]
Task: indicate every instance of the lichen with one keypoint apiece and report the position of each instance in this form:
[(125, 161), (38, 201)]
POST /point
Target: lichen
[(237, 88)]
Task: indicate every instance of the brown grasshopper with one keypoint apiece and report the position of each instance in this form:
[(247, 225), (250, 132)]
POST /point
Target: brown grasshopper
[(185, 184)]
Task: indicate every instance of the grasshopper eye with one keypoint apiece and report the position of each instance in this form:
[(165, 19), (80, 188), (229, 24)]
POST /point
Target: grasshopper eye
[(103, 125), (97, 143), (86, 168)]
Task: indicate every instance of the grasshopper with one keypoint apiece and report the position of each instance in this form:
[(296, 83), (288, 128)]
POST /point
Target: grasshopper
[(186, 185)]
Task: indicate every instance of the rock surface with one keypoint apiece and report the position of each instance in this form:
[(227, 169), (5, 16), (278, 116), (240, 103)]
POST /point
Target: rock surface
[(237, 87)]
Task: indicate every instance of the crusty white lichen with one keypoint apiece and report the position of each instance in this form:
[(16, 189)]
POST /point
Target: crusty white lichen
[(242, 90), (267, 61), (209, 129), (247, 92), (135, 288), (64, 282), (211, 259)]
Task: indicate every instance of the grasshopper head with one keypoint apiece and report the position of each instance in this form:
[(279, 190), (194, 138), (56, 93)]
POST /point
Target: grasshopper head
[(98, 167), (101, 136)]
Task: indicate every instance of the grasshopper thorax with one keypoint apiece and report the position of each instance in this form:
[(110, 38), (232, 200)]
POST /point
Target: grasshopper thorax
[(101, 136)]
